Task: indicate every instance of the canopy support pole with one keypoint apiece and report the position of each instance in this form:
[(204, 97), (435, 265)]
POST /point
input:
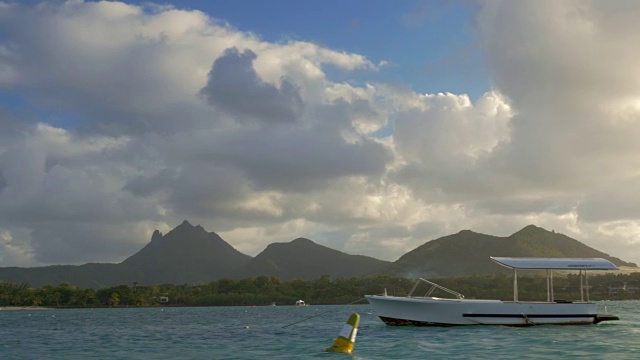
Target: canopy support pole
[(551, 278), (548, 285), (515, 284), (586, 279), (581, 287)]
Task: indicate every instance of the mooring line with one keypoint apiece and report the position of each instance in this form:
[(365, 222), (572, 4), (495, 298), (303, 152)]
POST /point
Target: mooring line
[(322, 313), (527, 321)]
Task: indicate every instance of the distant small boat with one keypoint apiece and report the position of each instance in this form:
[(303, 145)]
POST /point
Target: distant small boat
[(300, 303), (434, 311)]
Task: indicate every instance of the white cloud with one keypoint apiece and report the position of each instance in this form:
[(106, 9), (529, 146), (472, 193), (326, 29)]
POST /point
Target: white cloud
[(140, 117), (141, 144), (444, 127), (16, 247), (570, 75)]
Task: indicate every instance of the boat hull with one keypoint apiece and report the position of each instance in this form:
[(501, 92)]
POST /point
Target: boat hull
[(398, 311)]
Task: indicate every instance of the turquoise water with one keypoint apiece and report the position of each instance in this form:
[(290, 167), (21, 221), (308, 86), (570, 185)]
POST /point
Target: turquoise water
[(258, 333)]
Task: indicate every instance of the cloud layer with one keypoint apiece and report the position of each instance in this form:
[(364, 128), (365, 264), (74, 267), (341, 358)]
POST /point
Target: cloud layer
[(117, 119)]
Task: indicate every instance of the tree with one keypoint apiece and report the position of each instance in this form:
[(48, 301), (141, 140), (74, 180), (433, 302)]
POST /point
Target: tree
[(114, 299)]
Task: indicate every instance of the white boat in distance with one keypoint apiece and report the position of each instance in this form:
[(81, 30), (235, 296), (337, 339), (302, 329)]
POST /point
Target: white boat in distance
[(432, 311)]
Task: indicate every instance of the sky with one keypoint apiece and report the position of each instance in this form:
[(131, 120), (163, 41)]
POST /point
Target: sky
[(370, 127)]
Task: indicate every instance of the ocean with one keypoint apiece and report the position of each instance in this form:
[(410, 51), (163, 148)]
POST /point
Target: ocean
[(261, 332)]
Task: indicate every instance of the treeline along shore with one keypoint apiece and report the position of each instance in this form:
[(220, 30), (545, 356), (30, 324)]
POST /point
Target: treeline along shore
[(266, 290)]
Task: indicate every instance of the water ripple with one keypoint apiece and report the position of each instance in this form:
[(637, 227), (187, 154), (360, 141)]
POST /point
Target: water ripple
[(259, 333)]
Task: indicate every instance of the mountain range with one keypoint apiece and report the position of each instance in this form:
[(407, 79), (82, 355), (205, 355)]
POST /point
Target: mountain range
[(189, 254)]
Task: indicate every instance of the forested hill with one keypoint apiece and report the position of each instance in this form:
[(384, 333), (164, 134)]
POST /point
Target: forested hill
[(185, 255), (468, 252), (189, 254), (304, 259)]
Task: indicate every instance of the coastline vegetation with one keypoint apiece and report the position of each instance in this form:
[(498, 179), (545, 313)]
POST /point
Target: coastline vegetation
[(266, 290)]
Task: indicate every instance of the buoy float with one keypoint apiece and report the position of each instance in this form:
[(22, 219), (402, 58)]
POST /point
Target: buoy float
[(347, 337)]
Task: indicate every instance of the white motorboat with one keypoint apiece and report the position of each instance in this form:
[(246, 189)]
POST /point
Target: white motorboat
[(433, 311)]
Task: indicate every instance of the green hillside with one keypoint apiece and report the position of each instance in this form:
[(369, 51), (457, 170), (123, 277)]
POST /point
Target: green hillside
[(304, 259), (467, 253), (188, 255)]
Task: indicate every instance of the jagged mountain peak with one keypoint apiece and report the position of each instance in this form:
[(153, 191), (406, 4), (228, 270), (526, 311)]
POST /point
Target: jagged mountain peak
[(185, 254), (186, 226), (157, 235), (190, 254)]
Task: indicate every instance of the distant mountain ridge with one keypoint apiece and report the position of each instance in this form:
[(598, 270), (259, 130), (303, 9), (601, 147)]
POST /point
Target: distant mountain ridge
[(189, 254), (304, 259), (468, 252)]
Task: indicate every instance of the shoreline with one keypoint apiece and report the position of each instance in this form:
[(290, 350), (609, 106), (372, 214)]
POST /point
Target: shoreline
[(15, 308)]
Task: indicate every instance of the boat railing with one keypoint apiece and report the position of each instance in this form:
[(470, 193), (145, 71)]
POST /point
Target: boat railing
[(433, 287)]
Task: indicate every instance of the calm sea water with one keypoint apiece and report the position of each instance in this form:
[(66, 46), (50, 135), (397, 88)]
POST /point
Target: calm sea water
[(258, 333)]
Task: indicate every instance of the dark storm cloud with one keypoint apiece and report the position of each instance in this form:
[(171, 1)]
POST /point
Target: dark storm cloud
[(235, 87), (296, 158), (66, 242)]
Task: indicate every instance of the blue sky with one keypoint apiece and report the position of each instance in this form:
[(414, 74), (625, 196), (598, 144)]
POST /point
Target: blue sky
[(370, 127), (430, 45)]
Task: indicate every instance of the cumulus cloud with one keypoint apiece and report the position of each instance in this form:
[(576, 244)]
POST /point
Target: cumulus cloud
[(571, 76), (133, 118), (446, 142), (134, 142), (235, 87)]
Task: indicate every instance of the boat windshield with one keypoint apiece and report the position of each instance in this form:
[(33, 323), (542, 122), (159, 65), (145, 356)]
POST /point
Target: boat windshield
[(432, 288)]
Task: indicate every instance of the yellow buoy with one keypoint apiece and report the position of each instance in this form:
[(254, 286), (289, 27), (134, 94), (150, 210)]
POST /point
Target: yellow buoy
[(347, 337)]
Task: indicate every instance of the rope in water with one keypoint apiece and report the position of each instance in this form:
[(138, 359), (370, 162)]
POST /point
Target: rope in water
[(322, 313)]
